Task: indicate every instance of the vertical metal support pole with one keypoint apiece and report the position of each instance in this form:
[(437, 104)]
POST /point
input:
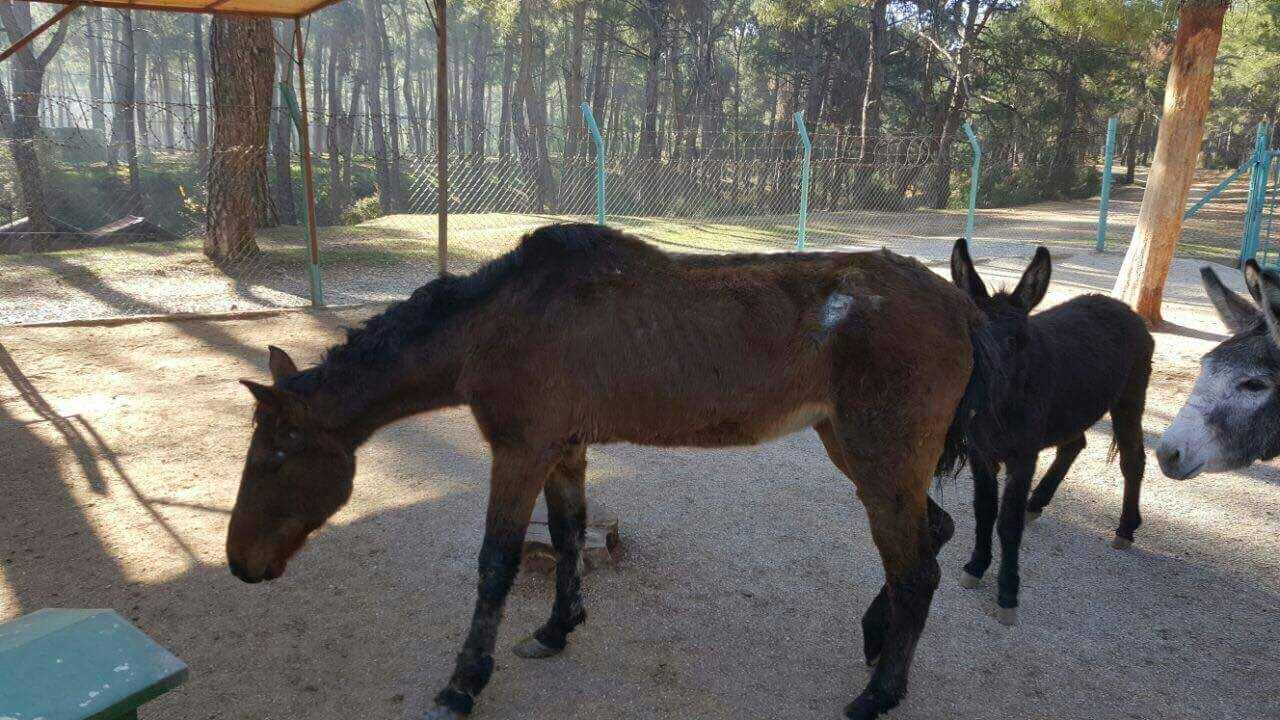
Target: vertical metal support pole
[(1104, 200), (590, 119), (973, 181), (1261, 164), (802, 228), (308, 180), (442, 133)]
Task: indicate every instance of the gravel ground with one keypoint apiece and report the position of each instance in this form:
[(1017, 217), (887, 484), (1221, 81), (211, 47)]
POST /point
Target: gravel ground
[(738, 594)]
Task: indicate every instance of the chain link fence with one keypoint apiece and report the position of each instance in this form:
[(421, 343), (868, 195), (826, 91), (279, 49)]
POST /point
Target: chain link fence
[(173, 220)]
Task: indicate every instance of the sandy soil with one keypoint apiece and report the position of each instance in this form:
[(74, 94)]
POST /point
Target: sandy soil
[(738, 595)]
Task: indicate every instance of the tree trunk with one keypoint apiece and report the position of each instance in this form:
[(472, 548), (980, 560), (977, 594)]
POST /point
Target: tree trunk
[(282, 143), (1131, 147), (656, 12), (871, 100), (573, 83), (141, 43), (97, 69), (504, 121), (23, 128), (243, 59), (1062, 169), (372, 61), (479, 79), (1155, 237), (202, 93)]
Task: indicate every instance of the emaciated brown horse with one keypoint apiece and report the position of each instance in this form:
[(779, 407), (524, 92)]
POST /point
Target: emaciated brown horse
[(587, 335)]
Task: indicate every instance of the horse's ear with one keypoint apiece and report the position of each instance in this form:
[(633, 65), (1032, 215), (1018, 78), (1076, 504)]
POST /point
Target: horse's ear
[(963, 274), (1035, 281), (1252, 280), (1269, 287), (1237, 313), (272, 398), (282, 366)]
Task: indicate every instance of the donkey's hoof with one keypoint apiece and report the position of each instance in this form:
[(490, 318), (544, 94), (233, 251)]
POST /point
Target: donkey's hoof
[(439, 712), (1120, 542), (968, 581), (1033, 515), (1007, 616), (532, 648)]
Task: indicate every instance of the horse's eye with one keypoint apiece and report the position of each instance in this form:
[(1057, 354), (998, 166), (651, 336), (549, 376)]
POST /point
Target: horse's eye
[(1254, 385)]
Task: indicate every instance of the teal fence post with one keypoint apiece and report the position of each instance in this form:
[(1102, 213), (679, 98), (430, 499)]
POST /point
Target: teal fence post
[(1104, 199), (973, 181), (1261, 164), (313, 259), (803, 226), (590, 119)]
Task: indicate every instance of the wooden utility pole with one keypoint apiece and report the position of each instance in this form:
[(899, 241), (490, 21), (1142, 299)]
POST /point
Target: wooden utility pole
[(1186, 102), (439, 18)]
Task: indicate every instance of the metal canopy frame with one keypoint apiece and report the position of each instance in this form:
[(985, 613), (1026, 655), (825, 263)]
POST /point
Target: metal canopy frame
[(298, 54)]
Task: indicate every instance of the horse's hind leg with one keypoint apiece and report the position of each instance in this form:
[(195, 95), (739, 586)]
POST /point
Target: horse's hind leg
[(893, 487), (567, 517), (1126, 423), (1043, 495), (517, 477), (875, 621)]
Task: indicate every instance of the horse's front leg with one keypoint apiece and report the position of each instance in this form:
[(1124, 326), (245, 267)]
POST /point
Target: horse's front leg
[(518, 475), (567, 519)]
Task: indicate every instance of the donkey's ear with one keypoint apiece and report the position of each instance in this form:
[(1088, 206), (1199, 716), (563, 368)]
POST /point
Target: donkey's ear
[(1252, 280), (1269, 286), (963, 274), (281, 364), (1237, 313), (1035, 281)]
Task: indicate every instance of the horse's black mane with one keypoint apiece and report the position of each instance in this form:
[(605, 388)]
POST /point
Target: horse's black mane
[(381, 338)]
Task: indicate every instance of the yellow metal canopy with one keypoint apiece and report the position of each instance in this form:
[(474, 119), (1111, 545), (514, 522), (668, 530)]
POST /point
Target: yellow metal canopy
[(253, 8)]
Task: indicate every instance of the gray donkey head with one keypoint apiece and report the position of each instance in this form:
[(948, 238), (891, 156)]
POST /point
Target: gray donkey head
[(1233, 415)]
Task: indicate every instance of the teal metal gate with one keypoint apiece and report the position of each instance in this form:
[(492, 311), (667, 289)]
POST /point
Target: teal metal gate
[(1261, 231)]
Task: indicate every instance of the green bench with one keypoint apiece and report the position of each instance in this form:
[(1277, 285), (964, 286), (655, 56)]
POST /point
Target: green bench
[(80, 665)]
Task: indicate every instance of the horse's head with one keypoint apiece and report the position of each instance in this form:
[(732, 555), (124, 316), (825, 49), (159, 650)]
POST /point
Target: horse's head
[(297, 474), (1233, 415)]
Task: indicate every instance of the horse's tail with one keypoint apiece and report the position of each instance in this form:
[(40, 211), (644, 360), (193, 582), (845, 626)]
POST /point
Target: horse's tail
[(962, 441)]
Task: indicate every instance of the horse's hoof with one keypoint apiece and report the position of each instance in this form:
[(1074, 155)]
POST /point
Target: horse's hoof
[(1007, 616), (532, 648), (1032, 516), (1121, 543), (439, 712), (968, 581)]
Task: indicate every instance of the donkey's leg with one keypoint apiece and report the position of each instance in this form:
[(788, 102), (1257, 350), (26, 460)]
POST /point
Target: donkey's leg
[(517, 478), (1013, 509), (567, 517), (875, 621), (1126, 421), (986, 492), (1043, 495)]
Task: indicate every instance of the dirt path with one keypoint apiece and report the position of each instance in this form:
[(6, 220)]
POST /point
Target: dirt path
[(739, 595), (387, 258)]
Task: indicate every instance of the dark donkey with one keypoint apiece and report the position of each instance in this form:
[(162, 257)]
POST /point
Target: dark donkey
[(586, 335), (1060, 371)]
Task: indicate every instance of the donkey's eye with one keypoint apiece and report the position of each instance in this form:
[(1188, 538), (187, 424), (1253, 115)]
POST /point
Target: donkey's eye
[(1254, 385)]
